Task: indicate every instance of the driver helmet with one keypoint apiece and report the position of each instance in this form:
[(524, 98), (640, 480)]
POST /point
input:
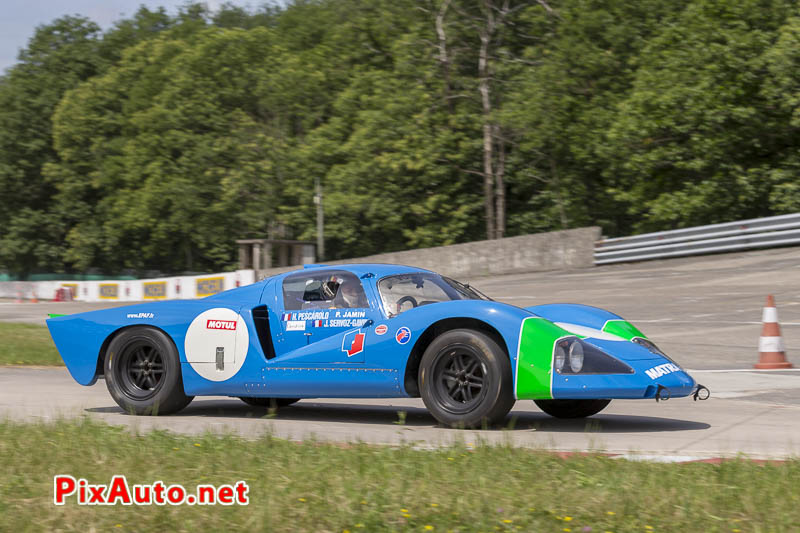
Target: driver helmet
[(350, 293)]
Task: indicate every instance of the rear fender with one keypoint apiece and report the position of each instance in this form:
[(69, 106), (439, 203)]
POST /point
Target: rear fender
[(79, 342), (81, 339)]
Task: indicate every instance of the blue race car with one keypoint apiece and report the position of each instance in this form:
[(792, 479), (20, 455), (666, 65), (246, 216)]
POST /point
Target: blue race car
[(367, 331)]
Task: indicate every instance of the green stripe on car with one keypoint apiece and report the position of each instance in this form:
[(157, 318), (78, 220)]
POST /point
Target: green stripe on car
[(535, 358), (622, 328)]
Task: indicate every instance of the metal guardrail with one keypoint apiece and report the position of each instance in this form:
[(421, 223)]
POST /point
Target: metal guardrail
[(727, 237)]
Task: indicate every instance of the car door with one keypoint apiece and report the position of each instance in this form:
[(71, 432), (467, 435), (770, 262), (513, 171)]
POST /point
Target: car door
[(324, 318)]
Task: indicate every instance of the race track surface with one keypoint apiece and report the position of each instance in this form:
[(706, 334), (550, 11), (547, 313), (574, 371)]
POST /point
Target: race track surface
[(704, 312), (679, 429)]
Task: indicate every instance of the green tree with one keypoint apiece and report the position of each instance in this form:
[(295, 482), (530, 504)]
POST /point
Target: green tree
[(781, 91), (171, 142), (154, 145), (58, 57), (579, 65), (692, 143)]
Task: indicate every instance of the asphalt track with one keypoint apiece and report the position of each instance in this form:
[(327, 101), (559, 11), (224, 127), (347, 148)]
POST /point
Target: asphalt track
[(705, 312)]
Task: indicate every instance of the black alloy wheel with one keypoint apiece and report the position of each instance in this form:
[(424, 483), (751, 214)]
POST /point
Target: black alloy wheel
[(143, 372), (465, 379), (459, 376)]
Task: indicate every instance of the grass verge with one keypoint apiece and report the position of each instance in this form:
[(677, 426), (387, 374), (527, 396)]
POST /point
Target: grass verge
[(27, 344), (322, 487)]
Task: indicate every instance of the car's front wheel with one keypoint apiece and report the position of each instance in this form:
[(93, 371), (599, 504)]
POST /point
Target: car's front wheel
[(571, 408), (272, 403), (143, 372), (465, 379)]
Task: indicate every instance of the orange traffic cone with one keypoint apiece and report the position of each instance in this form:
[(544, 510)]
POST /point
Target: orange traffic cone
[(771, 353)]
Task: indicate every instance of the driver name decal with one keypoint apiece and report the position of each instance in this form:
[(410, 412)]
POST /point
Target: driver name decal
[(353, 343), (346, 322), (305, 315), (339, 323), (351, 314)]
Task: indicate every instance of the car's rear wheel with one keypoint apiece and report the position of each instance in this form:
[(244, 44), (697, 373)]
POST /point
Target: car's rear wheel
[(143, 372), (272, 403), (465, 379), (571, 408)]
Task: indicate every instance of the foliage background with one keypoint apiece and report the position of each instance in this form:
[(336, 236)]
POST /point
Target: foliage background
[(155, 144)]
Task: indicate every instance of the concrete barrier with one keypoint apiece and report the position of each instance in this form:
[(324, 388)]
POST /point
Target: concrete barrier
[(555, 250)]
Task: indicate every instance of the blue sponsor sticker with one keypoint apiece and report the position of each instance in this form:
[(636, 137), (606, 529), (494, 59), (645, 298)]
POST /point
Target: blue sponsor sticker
[(403, 335)]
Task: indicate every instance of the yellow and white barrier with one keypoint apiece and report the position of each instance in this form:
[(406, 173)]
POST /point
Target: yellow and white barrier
[(169, 288)]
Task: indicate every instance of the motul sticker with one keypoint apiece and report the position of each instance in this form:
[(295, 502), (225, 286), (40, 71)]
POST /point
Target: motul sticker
[(221, 324), (217, 343), (382, 329)]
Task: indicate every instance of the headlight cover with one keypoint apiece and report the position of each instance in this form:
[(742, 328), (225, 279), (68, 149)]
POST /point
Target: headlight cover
[(575, 357), (572, 355), (650, 345)]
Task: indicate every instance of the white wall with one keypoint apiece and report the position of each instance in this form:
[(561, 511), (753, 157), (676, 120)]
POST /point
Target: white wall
[(178, 287)]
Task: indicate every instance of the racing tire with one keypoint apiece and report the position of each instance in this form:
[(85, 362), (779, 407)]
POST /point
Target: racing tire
[(571, 408), (143, 372), (465, 379), (270, 403)]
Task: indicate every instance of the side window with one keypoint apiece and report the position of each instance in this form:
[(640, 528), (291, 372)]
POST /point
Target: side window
[(407, 291), (323, 290)]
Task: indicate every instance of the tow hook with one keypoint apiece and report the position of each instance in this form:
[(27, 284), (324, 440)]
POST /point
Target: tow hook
[(701, 393), (662, 394)]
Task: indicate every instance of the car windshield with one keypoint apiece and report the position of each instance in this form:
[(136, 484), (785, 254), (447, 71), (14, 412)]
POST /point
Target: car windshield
[(406, 291)]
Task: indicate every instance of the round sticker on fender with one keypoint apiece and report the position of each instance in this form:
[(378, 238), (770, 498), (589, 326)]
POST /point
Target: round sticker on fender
[(216, 343), (403, 335)]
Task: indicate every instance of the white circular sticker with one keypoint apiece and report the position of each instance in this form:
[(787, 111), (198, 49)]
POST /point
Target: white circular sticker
[(216, 343)]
